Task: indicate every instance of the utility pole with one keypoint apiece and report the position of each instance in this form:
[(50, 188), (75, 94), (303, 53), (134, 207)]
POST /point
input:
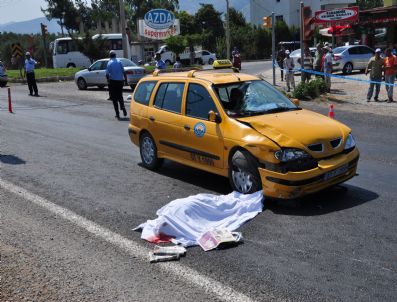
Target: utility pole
[(301, 37), (274, 49), (227, 31), (123, 31)]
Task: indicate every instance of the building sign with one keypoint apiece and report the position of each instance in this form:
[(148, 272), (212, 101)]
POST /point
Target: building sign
[(337, 15), (159, 24)]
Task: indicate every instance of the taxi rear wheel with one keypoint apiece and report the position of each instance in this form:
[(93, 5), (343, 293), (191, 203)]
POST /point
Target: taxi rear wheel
[(243, 173), (148, 150)]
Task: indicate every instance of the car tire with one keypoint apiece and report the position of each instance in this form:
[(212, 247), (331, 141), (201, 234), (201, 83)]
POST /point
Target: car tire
[(148, 151), (348, 68), (81, 84), (243, 173), (70, 65), (101, 86), (210, 61)]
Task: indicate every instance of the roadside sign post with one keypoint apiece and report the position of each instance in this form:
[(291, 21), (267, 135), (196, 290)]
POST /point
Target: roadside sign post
[(274, 49), (44, 33), (16, 51), (301, 37)]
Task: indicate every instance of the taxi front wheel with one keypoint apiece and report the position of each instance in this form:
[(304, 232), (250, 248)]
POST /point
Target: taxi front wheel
[(148, 150), (243, 173)]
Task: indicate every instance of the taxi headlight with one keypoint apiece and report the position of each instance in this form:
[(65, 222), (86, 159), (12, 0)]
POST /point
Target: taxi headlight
[(286, 155), (350, 142)]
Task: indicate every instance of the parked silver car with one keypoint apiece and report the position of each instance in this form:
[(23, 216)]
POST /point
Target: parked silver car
[(95, 75), (296, 54), (351, 57)]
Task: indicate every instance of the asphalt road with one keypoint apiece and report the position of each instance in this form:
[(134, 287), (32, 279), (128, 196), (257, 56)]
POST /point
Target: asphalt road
[(72, 188)]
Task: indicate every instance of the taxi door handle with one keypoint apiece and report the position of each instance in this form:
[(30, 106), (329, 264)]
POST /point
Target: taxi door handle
[(151, 118), (187, 127)]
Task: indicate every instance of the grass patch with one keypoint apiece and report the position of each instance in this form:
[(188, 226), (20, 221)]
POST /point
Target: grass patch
[(45, 72)]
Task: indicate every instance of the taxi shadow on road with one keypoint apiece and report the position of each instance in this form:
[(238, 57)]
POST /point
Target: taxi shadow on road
[(11, 160), (206, 180), (334, 199)]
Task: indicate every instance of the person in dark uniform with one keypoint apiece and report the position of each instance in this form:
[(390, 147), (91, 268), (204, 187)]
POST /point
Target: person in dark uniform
[(29, 72), (280, 61), (116, 76)]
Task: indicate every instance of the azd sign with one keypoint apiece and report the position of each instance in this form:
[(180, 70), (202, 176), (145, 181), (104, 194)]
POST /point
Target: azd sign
[(159, 19)]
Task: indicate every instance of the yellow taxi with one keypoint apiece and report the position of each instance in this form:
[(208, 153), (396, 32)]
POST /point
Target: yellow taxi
[(239, 126)]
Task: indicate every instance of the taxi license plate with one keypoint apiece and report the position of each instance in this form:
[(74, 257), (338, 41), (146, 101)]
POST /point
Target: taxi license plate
[(336, 172)]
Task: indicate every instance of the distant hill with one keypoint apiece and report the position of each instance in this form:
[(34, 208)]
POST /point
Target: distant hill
[(31, 26)]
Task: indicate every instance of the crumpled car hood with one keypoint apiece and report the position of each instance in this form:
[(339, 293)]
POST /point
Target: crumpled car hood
[(298, 129)]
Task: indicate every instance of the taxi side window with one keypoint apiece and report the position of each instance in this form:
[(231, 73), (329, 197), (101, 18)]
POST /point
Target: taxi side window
[(199, 102), (169, 97), (143, 92)]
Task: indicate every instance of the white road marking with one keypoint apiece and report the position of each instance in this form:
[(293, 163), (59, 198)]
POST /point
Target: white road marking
[(189, 275)]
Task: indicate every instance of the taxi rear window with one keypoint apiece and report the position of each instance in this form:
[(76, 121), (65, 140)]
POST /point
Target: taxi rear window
[(143, 92)]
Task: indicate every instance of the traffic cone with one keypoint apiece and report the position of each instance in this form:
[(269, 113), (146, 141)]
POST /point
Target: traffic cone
[(9, 101), (331, 112)]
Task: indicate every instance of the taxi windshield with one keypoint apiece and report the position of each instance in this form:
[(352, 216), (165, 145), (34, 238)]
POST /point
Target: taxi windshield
[(252, 98)]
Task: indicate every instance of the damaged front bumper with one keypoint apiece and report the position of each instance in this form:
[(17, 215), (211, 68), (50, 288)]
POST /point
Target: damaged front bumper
[(329, 172)]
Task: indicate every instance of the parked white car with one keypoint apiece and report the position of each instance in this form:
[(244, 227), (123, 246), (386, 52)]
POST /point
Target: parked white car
[(95, 75), (206, 57), (296, 54)]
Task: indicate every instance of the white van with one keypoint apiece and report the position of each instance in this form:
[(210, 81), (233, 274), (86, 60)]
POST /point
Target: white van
[(169, 57), (65, 53)]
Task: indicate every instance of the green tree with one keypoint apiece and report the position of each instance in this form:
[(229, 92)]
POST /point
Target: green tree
[(62, 9), (176, 44), (187, 23), (236, 18), (282, 32), (93, 49), (209, 21), (367, 4)]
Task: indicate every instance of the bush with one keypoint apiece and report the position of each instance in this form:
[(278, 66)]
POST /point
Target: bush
[(312, 89)]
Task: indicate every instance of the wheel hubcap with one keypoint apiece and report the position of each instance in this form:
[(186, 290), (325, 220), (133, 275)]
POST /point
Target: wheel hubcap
[(242, 180), (349, 68), (147, 150), (81, 83)]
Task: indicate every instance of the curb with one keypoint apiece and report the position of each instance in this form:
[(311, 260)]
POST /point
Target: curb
[(44, 80)]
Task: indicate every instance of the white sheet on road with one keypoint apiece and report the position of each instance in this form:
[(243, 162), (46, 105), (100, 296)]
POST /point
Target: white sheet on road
[(186, 219)]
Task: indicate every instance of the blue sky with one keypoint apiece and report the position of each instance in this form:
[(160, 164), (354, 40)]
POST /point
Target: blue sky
[(22, 10)]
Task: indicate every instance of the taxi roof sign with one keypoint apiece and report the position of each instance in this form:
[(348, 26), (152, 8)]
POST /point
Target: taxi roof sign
[(224, 63)]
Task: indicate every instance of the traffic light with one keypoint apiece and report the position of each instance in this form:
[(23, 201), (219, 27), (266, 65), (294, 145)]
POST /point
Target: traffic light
[(267, 22), (44, 30), (307, 23)]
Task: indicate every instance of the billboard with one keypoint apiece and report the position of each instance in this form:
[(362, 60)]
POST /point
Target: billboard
[(336, 15), (159, 24)]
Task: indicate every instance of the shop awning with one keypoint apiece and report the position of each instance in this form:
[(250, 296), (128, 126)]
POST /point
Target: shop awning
[(337, 30)]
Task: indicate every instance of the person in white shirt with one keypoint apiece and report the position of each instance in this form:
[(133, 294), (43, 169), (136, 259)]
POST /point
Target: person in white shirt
[(289, 72), (327, 66)]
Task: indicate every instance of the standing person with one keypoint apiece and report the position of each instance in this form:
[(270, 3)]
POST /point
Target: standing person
[(280, 61), (160, 64), (116, 76), (390, 65), (307, 65), (177, 63), (30, 64), (375, 66), (318, 58), (327, 66), (289, 71)]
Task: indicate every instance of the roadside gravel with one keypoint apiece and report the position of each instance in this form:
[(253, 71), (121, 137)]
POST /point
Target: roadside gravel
[(347, 95)]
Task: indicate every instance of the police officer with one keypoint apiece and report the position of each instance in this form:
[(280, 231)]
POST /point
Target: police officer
[(29, 72), (116, 76)]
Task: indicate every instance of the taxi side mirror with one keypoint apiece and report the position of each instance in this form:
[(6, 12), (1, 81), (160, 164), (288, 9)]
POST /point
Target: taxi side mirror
[(214, 117), (296, 102)]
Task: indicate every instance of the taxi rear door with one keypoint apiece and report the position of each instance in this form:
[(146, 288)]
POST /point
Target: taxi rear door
[(165, 118)]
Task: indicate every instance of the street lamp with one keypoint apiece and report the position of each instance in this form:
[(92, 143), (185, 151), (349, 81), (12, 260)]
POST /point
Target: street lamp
[(227, 31)]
